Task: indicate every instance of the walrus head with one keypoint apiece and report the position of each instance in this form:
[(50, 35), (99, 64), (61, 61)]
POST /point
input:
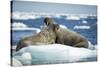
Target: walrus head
[(49, 21)]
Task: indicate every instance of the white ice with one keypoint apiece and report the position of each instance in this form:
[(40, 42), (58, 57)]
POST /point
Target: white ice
[(53, 53)]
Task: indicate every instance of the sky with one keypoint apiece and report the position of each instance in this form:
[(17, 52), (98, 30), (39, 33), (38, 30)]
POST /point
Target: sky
[(28, 6)]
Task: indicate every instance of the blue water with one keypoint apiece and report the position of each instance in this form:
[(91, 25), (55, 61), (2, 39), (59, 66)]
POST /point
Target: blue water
[(90, 34), (17, 35)]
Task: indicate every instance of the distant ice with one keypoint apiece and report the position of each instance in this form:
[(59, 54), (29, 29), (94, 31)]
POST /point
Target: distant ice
[(81, 27), (19, 25), (52, 16), (72, 17), (34, 15), (79, 17), (22, 26), (24, 15), (63, 26), (31, 15), (85, 22), (53, 53)]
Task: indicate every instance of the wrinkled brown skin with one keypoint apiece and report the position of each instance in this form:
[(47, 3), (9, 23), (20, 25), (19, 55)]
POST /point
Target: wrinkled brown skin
[(46, 36), (66, 36)]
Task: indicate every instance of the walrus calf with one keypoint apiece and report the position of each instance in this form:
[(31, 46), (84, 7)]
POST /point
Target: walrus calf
[(46, 36), (66, 36)]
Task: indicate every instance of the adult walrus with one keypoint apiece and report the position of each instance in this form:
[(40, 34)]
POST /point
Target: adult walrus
[(66, 36), (46, 36)]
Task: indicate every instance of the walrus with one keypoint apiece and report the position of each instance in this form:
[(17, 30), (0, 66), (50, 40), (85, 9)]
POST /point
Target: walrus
[(46, 36), (66, 36)]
